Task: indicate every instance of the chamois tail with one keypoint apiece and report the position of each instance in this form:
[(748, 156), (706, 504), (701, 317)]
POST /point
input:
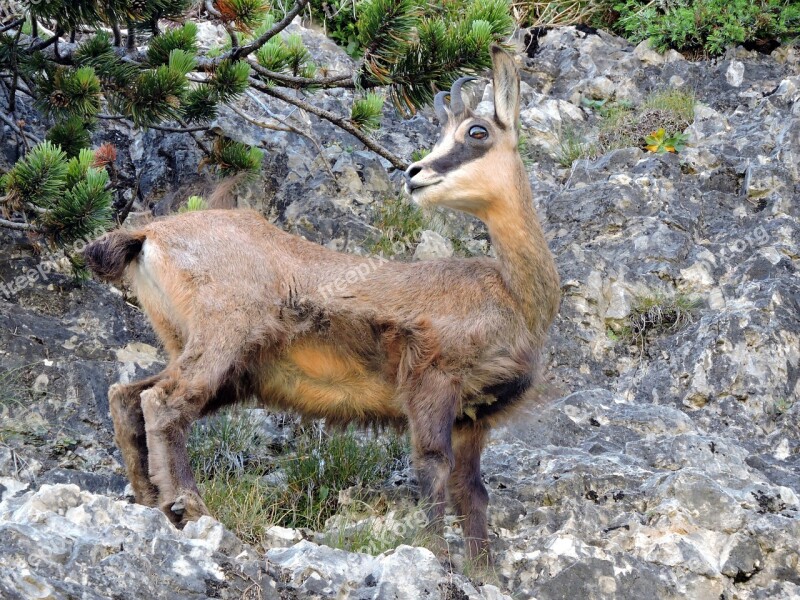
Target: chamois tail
[(108, 255)]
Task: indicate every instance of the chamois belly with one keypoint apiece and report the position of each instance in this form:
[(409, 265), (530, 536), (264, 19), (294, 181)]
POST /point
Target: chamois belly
[(495, 402), (321, 381)]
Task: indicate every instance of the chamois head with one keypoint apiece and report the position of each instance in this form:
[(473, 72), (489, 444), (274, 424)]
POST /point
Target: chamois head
[(475, 157)]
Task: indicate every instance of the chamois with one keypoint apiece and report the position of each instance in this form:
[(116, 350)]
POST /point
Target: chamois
[(445, 347)]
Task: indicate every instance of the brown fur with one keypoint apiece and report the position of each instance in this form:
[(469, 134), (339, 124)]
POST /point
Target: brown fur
[(447, 347), (109, 256)]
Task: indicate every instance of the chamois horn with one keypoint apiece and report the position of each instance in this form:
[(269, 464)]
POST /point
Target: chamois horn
[(456, 101), (440, 107)]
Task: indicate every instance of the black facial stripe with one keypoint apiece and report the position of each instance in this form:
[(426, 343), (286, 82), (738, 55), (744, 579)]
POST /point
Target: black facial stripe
[(460, 154)]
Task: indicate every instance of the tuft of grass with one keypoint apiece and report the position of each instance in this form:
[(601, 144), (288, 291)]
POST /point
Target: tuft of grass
[(625, 126), (194, 203), (375, 534), (680, 103), (232, 465), (419, 154), (327, 463), (19, 419), (226, 444), (525, 150), (10, 388), (244, 503), (572, 147), (400, 223), (658, 314)]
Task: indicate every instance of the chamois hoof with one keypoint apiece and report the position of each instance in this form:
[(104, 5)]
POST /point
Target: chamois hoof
[(186, 507)]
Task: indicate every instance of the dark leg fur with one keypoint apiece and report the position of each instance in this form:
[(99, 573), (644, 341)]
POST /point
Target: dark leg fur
[(467, 492), (129, 434), (194, 386), (168, 414), (431, 410)]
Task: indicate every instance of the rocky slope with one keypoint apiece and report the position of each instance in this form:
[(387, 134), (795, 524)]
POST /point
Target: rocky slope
[(667, 466)]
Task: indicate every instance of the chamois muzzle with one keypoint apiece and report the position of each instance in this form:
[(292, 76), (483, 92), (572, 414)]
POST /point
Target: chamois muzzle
[(413, 170)]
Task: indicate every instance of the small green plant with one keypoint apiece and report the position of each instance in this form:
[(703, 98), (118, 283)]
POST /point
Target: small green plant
[(658, 314), (678, 102), (399, 222), (419, 154), (660, 143), (571, 147), (784, 404), (232, 463), (625, 126), (367, 111), (194, 203), (707, 25)]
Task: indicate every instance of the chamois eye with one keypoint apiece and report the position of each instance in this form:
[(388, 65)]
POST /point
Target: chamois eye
[(476, 132)]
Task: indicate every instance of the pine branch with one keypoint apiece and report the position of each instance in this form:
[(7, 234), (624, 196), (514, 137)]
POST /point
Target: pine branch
[(344, 124), (125, 211), (19, 226), (246, 50), (209, 4), (166, 128), (14, 127), (187, 129), (12, 25), (44, 43), (335, 81)]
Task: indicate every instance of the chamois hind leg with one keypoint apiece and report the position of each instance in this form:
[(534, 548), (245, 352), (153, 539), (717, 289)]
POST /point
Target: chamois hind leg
[(467, 492), (196, 383), (431, 410), (129, 435)]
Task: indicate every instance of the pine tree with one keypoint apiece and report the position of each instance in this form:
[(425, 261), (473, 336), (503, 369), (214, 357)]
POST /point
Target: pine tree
[(147, 73)]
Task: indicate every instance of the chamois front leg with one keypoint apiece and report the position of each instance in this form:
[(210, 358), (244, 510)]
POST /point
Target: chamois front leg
[(467, 492), (129, 434), (431, 410)]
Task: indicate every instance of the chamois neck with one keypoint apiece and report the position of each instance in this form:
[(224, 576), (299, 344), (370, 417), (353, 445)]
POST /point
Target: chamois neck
[(525, 261)]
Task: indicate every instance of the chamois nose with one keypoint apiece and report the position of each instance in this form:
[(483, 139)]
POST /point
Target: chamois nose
[(410, 173)]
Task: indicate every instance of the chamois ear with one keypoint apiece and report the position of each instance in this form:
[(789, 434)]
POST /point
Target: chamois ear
[(506, 88)]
